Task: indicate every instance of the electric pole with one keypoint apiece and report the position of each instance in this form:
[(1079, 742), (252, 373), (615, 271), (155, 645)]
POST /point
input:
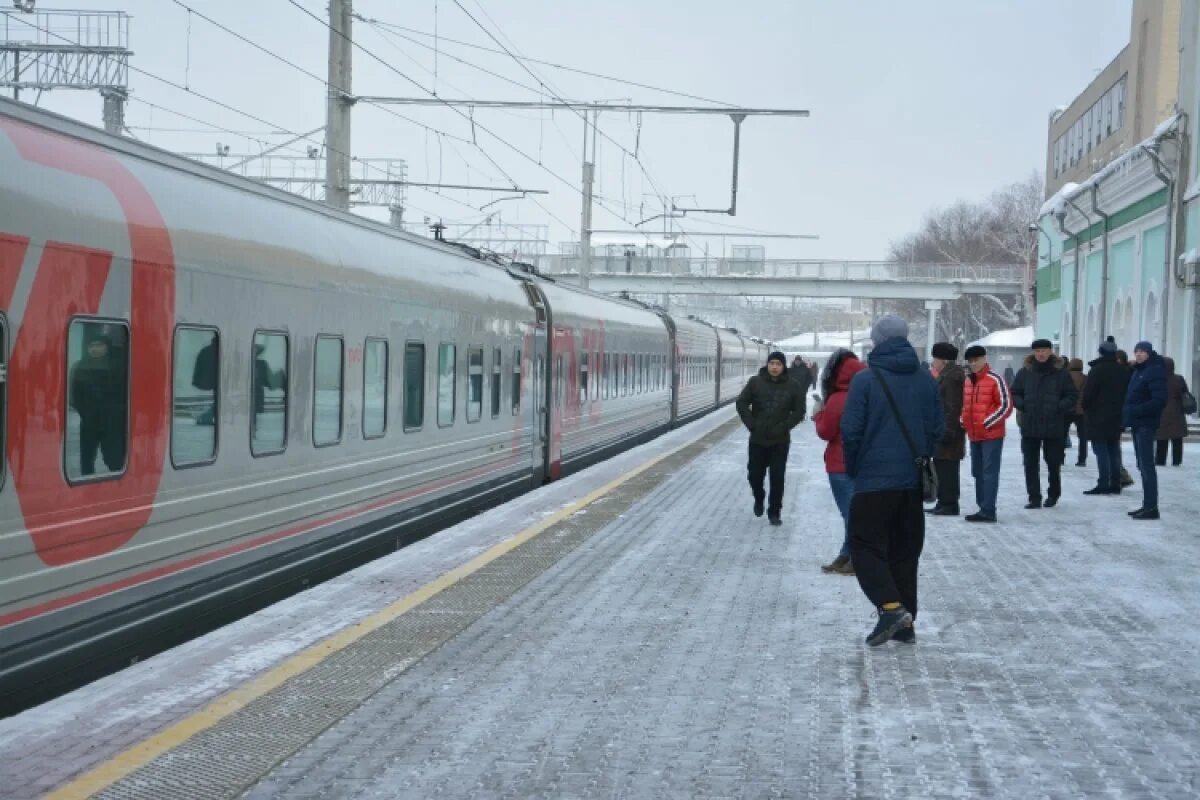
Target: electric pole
[(340, 100)]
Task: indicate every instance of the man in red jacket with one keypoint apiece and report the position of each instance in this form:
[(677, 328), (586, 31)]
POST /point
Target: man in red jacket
[(986, 404)]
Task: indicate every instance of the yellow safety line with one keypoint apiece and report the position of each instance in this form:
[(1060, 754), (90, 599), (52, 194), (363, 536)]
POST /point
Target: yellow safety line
[(104, 775)]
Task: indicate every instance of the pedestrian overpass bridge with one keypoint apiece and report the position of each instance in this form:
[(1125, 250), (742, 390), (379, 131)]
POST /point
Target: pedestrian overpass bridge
[(888, 280)]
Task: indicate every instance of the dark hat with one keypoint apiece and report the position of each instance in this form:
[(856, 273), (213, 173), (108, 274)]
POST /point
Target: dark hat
[(974, 351), (1108, 347), (1144, 346), (945, 351), (1039, 343), (778, 356), (889, 326)]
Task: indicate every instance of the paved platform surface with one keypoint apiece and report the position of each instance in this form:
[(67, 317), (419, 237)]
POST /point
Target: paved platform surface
[(683, 648)]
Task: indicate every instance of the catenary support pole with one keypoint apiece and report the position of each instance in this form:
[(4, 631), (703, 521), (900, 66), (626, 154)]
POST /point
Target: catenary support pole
[(338, 104)]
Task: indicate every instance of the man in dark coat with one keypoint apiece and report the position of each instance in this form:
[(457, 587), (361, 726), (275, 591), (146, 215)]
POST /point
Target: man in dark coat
[(1145, 400), (99, 396), (887, 526), (1075, 365), (803, 378), (1172, 428), (770, 405), (1044, 394), (1103, 397), (951, 448)]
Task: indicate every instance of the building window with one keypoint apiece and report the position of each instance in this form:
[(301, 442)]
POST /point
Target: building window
[(327, 391), (269, 394), (496, 375), (375, 388), (447, 355), (414, 386), (97, 398), (474, 384), (195, 395)]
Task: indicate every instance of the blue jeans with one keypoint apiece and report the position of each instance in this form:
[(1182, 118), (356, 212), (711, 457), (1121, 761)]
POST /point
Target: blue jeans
[(985, 469), (1143, 446), (1108, 461), (842, 486)]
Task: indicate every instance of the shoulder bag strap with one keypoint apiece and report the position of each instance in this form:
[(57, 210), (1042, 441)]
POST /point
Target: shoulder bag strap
[(892, 402)]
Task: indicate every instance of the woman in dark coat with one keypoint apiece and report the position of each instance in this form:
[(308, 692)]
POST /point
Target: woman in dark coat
[(1173, 427)]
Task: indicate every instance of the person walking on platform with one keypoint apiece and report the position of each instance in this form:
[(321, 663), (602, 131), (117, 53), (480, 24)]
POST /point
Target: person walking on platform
[(835, 384), (986, 404), (1103, 397), (803, 378), (1172, 427), (892, 418), (770, 405), (1044, 395), (951, 448), (1076, 416), (1145, 400)]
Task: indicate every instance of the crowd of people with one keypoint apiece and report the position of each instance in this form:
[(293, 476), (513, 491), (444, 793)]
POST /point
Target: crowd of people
[(892, 423)]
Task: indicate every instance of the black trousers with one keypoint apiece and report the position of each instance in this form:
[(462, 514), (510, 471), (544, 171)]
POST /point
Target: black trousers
[(1160, 452), (764, 457), (947, 474), (1081, 433), (1051, 450), (887, 534), (110, 443)]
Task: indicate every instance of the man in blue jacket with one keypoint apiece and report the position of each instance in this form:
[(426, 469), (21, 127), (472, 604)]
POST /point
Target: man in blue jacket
[(1145, 400), (887, 519)]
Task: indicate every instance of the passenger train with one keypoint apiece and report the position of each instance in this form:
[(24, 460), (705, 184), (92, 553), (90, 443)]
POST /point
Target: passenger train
[(214, 393)]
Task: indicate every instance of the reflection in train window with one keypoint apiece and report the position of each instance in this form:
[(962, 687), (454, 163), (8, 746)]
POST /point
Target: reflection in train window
[(596, 378), (195, 396), (516, 381), (474, 384), (414, 386), (583, 378), (375, 388), (97, 398), (447, 354), (269, 393), (496, 376), (327, 391)]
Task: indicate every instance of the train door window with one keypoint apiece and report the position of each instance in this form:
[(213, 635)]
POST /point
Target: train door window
[(474, 384), (328, 380), (375, 388), (269, 393), (606, 374), (97, 399), (414, 386), (560, 381), (497, 373), (596, 378), (3, 389), (195, 395), (626, 374), (583, 378), (516, 381), (447, 356)]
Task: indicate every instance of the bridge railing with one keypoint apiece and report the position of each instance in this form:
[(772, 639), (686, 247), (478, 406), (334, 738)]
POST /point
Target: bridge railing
[(778, 268)]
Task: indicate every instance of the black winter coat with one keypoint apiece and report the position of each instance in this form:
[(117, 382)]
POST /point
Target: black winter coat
[(1146, 396), (1103, 398), (770, 407), (953, 443), (1044, 395)]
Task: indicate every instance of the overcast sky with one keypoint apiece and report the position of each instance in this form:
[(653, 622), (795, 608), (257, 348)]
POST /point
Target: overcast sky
[(914, 104)]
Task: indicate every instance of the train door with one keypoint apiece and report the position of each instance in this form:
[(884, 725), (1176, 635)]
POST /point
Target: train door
[(539, 356)]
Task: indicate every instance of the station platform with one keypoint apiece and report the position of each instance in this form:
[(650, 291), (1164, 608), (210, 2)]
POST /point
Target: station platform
[(634, 632)]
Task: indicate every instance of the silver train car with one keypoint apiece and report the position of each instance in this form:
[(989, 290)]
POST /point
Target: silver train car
[(213, 394)]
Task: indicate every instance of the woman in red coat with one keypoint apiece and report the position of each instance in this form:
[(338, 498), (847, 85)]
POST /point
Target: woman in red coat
[(835, 384)]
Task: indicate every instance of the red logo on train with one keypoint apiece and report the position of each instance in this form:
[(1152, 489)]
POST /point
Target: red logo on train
[(69, 524)]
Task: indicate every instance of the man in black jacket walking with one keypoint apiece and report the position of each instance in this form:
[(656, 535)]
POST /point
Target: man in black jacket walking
[(1044, 394), (770, 405), (1103, 399)]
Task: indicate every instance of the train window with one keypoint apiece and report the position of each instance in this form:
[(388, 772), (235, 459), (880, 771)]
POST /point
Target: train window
[(496, 376), (559, 381), (583, 378), (97, 398), (3, 389), (606, 374), (414, 386), (516, 381), (447, 369), (597, 377), (375, 388), (474, 384), (269, 392), (327, 391), (195, 395)]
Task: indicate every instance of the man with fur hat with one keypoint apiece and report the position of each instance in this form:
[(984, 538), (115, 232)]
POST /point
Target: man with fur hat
[(770, 405), (951, 448), (987, 402), (1145, 400), (1045, 395)]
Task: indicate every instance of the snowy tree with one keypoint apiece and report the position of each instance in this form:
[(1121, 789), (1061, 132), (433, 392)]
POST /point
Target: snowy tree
[(995, 231)]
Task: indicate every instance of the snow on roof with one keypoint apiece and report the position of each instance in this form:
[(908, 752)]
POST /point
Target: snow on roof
[(1014, 337), (1059, 200)]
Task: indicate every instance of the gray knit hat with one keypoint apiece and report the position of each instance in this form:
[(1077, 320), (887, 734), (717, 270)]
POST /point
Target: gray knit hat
[(887, 327)]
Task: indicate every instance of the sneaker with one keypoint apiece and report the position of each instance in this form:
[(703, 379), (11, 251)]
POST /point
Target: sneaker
[(845, 569), (1051, 502), (887, 626), (836, 564), (759, 508), (979, 516), (1146, 513), (906, 635), (1034, 504), (774, 520)]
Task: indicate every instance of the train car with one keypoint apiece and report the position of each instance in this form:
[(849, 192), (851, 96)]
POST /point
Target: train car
[(732, 375), (695, 346)]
